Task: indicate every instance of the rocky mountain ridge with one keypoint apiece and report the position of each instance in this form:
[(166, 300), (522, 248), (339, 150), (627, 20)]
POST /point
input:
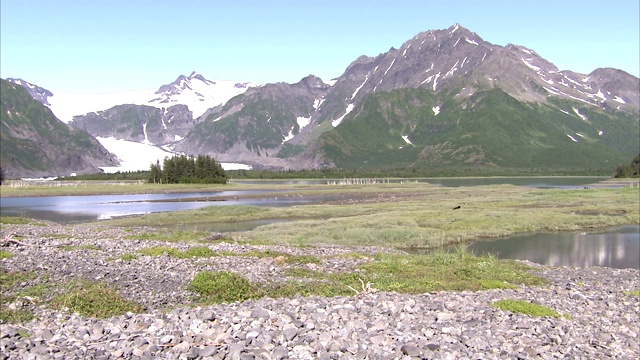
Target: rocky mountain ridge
[(428, 94), (36, 144)]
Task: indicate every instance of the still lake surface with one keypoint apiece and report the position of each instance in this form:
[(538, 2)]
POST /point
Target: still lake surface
[(617, 247)]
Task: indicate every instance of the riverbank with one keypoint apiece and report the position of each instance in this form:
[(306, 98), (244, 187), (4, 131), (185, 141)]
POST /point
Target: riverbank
[(598, 315)]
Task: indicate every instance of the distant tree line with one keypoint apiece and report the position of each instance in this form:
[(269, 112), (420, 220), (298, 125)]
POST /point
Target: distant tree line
[(119, 175), (182, 169), (412, 172), (629, 171), (1, 176)]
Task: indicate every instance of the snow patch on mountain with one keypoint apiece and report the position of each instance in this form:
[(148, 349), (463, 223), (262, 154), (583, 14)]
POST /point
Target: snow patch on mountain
[(529, 65), (619, 99), (579, 114), (470, 41), (337, 121), (359, 87), (289, 136), (303, 121), (572, 138)]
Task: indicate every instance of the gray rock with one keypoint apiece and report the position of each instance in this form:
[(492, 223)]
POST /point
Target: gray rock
[(411, 350)]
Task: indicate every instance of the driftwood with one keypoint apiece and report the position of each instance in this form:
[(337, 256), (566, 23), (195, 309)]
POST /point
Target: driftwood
[(8, 240), (366, 288)]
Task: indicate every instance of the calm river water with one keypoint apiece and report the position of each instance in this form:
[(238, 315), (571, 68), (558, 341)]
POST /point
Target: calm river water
[(616, 247)]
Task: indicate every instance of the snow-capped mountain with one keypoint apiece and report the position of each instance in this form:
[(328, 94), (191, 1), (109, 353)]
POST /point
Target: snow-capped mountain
[(427, 96), (194, 91), (444, 98)]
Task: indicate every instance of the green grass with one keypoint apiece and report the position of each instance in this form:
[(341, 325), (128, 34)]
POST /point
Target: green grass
[(286, 258), (525, 307), (5, 254), (9, 280), (199, 251), (18, 220), (634, 293), (413, 274), (94, 300), (128, 257), (170, 236), (223, 286)]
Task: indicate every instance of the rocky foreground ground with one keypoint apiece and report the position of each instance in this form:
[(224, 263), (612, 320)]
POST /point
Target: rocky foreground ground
[(602, 317)]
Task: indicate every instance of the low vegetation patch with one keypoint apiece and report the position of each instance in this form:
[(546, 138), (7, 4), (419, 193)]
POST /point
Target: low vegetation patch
[(413, 274), (5, 254), (280, 256), (442, 270), (223, 286), (128, 257), (10, 310), (635, 293), (94, 300), (19, 221), (525, 307), (199, 251), (175, 236)]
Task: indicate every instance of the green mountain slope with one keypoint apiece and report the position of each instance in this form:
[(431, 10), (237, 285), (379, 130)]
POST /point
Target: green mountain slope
[(489, 128), (35, 143)]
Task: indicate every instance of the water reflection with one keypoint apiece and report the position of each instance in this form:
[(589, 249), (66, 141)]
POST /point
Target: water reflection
[(76, 209), (617, 248)]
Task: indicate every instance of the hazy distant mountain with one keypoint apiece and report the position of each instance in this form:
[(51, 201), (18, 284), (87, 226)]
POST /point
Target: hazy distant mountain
[(35, 143), (444, 98)]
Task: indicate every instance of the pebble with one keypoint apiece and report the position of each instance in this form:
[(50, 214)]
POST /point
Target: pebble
[(603, 319)]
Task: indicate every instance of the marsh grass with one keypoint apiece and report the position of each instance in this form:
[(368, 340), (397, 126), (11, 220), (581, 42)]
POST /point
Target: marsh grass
[(526, 307), (94, 300), (418, 216)]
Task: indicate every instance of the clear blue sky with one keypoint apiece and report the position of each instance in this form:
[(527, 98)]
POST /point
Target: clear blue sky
[(99, 46)]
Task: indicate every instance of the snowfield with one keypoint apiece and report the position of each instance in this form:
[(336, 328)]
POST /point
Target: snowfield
[(198, 95), (135, 156)]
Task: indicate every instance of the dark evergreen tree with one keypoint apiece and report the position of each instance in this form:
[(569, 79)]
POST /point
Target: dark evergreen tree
[(188, 169), (155, 175)]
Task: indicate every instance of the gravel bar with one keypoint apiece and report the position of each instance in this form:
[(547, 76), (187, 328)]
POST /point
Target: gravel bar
[(603, 319)]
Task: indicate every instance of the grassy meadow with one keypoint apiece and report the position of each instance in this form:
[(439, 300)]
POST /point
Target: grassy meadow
[(409, 215)]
